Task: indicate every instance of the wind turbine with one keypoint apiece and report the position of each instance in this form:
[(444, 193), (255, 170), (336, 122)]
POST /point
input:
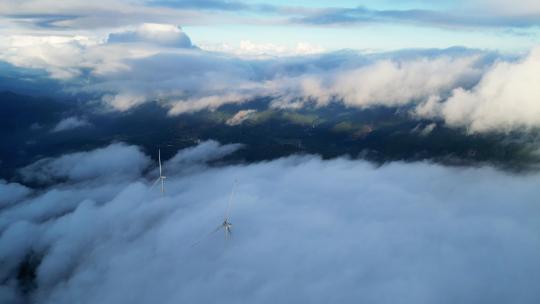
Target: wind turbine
[(226, 225), (161, 176)]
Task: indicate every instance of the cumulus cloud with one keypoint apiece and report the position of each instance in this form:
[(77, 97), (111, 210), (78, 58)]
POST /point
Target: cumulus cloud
[(338, 230), (124, 101), (58, 55), (11, 193), (248, 48), (445, 83), (240, 117), (212, 79), (212, 102), (75, 57), (116, 161), (424, 130), (506, 98), (161, 34), (70, 123), (392, 83), (152, 67), (68, 58), (201, 154)]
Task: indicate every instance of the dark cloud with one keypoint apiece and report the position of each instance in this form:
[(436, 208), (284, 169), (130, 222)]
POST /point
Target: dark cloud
[(204, 4), (344, 16), (43, 20), (76, 15), (81, 14), (31, 81), (305, 230)]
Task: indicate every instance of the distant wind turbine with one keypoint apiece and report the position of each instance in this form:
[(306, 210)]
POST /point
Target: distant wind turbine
[(161, 176), (226, 225)]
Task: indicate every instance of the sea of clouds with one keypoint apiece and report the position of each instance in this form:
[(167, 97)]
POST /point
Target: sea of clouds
[(477, 90), (305, 230)]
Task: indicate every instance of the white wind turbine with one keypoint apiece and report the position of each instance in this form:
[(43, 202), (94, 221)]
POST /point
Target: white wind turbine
[(161, 176), (226, 225)]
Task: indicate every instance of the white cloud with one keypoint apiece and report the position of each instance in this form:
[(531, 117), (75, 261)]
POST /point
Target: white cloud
[(430, 108), (240, 117), (160, 34), (387, 82), (116, 161), (70, 123), (503, 8), (60, 56), (392, 83), (11, 193), (204, 152), (507, 98), (193, 158), (424, 130), (250, 49), (211, 102), (188, 79), (305, 230), (124, 101), (68, 57)]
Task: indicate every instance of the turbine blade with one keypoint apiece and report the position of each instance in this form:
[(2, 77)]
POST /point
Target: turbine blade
[(209, 234), (157, 180), (228, 233), (228, 210), (217, 229)]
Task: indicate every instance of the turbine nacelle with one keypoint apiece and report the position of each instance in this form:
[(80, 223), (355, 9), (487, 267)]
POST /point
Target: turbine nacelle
[(227, 226)]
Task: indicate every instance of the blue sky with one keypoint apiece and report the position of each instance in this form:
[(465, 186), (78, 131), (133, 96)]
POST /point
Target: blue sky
[(376, 35), (371, 25), (332, 25)]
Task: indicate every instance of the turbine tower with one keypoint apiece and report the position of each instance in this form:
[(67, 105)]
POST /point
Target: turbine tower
[(226, 225), (161, 176)]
